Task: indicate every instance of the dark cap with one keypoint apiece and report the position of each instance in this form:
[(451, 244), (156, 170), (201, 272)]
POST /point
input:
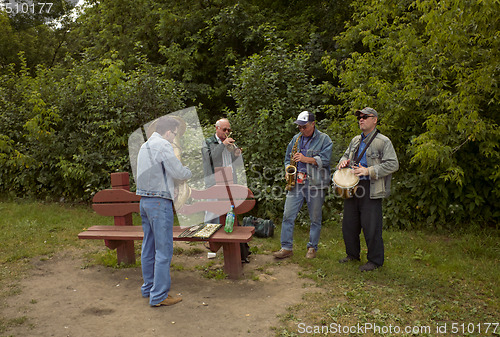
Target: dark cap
[(367, 111)]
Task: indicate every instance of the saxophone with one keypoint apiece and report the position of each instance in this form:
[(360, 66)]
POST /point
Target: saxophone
[(291, 169)]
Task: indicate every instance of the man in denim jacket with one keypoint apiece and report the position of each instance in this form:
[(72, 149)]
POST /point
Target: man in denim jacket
[(314, 150), (364, 209), (157, 167)]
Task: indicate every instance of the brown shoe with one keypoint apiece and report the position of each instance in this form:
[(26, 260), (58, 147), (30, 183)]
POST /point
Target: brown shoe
[(283, 253), (168, 301), (311, 253)]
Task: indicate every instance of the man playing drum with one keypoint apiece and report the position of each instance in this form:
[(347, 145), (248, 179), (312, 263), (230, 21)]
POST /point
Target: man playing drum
[(373, 161)]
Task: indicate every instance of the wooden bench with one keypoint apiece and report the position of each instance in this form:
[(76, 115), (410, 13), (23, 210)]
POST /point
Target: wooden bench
[(120, 203)]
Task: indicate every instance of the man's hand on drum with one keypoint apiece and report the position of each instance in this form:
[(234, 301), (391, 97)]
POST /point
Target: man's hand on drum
[(360, 170), (343, 163)]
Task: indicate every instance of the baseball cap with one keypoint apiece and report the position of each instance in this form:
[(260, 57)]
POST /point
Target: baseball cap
[(367, 111), (305, 117)]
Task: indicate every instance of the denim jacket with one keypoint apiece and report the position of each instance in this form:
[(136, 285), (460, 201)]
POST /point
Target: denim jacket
[(320, 148), (157, 167), (382, 162)]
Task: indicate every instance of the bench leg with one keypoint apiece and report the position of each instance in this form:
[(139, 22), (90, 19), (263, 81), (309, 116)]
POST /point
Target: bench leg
[(232, 260), (125, 252)]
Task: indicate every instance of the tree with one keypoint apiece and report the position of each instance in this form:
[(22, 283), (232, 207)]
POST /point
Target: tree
[(431, 69), (200, 40), (270, 88), (38, 29), (63, 131)]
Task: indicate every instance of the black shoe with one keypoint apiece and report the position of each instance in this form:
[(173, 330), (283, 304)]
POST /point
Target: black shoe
[(368, 266), (348, 259)]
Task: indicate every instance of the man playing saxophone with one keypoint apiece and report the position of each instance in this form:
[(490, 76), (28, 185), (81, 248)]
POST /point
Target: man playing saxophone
[(309, 151)]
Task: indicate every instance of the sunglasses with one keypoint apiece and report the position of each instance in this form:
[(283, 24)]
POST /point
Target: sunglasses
[(225, 129), (302, 127), (364, 117)]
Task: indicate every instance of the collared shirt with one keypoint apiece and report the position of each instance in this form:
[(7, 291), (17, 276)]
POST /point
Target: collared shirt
[(319, 148), (382, 162), (363, 162), (226, 155), (303, 147)]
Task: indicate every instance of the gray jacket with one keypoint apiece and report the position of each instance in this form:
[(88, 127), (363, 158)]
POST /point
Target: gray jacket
[(382, 162)]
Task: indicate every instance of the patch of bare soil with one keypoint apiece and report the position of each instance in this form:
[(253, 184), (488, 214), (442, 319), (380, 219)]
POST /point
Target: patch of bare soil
[(61, 298)]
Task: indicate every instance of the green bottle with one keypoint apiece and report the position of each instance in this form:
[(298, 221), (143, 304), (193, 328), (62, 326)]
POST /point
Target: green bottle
[(229, 220)]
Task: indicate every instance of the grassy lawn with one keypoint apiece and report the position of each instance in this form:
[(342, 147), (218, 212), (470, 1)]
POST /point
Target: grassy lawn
[(447, 281), (429, 281)]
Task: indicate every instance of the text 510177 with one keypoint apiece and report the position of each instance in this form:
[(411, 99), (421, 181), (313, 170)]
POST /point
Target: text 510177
[(26, 8)]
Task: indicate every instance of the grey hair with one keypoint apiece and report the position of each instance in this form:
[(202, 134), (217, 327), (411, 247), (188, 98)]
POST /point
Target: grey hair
[(220, 120)]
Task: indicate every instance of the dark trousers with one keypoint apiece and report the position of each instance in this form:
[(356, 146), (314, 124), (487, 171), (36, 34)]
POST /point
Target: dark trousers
[(361, 212)]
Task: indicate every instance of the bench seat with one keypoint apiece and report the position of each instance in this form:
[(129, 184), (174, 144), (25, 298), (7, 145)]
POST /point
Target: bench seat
[(240, 234)]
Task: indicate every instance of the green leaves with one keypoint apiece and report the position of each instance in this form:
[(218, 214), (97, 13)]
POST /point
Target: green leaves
[(431, 71), (270, 89), (66, 130)]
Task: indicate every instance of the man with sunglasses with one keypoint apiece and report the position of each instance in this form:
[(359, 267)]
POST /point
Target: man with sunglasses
[(373, 159), (312, 158), (218, 150)]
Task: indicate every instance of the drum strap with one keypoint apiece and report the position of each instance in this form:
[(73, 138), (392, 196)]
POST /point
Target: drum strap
[(357, 159)]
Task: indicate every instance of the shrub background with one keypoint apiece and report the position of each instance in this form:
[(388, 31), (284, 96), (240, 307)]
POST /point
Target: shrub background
[(72, 92)]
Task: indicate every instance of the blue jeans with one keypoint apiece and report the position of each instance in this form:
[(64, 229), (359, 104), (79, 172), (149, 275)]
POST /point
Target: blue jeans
[(294, 201), (157, 247)]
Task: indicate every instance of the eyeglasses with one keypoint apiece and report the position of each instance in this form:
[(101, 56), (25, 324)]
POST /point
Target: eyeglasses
[(303, 127), (364, 117), (225, 129)]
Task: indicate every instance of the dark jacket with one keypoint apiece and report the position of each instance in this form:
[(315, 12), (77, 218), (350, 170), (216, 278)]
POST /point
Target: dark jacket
[(211, 152)]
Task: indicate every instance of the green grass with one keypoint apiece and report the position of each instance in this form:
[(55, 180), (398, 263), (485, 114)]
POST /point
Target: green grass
[(428, 279)]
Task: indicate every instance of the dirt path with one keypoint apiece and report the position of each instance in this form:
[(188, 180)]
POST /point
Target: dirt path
[(60, 298)]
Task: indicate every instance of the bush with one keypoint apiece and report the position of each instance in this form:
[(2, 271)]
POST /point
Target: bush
[(64, 130)]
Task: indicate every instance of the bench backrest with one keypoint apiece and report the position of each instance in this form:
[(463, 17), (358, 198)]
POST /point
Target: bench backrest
[(121, 203)]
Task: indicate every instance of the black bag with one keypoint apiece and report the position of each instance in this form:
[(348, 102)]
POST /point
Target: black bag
[(263, 228), (245, 252)]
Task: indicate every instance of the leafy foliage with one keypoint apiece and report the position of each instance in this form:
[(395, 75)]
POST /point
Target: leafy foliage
[(434, 79), (72, 90), (270, 89), (39, 31), (63, 131)]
